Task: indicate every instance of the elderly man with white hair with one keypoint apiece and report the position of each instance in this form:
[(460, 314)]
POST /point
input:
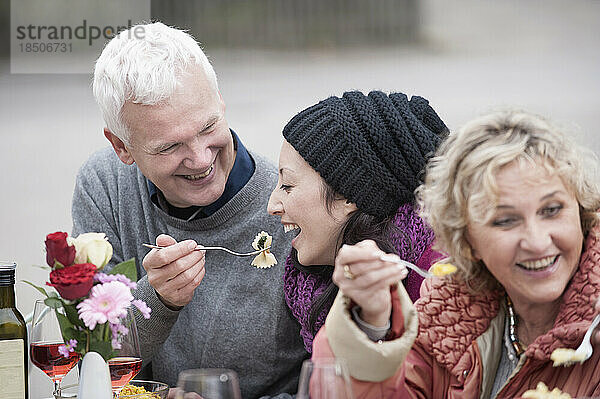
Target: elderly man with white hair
[(177, 175)]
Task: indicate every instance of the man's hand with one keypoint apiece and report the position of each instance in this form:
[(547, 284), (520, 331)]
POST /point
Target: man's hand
[(174, 272)]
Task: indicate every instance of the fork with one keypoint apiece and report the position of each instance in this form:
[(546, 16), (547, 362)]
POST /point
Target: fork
[(397, 260), (203, 248), (584, 350)]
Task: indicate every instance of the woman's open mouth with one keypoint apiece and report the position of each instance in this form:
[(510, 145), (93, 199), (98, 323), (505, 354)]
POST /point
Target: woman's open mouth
[(287, 227)]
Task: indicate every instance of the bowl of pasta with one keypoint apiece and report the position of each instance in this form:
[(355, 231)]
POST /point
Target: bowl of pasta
[(138, 389)]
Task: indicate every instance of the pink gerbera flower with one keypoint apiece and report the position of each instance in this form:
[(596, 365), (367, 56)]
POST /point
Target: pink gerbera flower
[(107, 278), (107, 302)]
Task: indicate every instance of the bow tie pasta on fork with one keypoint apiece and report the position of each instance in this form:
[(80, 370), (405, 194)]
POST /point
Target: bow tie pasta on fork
[(265, 259)]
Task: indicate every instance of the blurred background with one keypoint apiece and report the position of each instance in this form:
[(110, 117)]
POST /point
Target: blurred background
[(275, 57)]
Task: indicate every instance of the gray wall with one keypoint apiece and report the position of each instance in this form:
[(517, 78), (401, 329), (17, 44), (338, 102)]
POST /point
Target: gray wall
[(293, 23)]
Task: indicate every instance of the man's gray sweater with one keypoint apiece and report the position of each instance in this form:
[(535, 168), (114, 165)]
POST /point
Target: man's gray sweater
[(238, 318)]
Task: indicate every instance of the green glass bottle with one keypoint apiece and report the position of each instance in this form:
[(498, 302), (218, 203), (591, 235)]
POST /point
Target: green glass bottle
[(13, 339)]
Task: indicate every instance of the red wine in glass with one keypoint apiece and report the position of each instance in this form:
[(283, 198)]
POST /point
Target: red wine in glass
[(122, 370), (44, 339), (48, 359)]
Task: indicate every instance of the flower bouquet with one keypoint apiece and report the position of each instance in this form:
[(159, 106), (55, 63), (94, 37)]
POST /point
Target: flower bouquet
[(90, 305)]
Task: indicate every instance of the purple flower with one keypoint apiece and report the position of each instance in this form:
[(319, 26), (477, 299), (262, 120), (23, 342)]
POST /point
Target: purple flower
[(67, 348), (142, 307), (107, 302), (107, 278), (117, 330)]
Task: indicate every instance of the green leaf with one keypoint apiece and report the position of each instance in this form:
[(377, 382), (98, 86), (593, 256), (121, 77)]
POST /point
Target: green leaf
[(126, 268), (66, 327), (54, 302), (103, 348), (97, 334), (40, 289), (73, 315), (71, 333), (80, 347), (79, 335)]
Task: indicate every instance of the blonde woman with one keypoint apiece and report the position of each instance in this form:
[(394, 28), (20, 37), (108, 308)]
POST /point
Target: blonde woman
[(513, 203)]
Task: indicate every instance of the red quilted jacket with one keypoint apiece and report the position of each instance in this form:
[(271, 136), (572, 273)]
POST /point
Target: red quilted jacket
[(459, 340)]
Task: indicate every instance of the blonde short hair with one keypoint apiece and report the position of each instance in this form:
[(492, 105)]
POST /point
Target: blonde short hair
[(460, 183)]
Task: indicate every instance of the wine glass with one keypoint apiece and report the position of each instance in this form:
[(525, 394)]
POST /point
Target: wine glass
[(128, 361), (45, 339), (324, 379), (208, 384)]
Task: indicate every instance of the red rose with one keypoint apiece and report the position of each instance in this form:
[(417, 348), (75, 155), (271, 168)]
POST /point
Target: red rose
[(57, 249), (74, 281)]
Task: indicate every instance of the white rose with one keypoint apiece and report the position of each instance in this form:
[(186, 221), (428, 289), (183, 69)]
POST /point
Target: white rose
[(92, 248)]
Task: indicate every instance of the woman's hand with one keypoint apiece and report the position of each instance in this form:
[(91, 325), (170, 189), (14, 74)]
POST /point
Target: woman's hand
[(366, 279)]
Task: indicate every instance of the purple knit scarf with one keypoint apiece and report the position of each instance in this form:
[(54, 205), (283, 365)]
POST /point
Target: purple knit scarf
[(302, 288)]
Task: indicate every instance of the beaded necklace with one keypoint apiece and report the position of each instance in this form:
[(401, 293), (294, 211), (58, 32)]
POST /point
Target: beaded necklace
[(512, 328)]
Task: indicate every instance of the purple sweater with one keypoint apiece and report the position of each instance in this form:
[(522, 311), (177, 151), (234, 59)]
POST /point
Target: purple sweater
[(414, 245)]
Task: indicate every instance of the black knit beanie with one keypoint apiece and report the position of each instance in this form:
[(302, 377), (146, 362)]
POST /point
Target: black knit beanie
[(370, 149)]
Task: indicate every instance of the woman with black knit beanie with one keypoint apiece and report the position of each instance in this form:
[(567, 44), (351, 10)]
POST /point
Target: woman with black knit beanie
[(348, 169)]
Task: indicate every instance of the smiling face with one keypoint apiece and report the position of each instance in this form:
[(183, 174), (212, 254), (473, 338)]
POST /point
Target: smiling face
[(183, 146), (533, 240), (298, 200)]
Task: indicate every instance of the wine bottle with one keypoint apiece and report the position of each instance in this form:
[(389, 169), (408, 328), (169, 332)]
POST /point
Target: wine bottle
[(13, 339)]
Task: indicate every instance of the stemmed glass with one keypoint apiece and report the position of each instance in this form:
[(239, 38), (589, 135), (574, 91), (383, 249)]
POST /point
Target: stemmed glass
[(45, 338), (128, 361), (208, 384), (324, 379)]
